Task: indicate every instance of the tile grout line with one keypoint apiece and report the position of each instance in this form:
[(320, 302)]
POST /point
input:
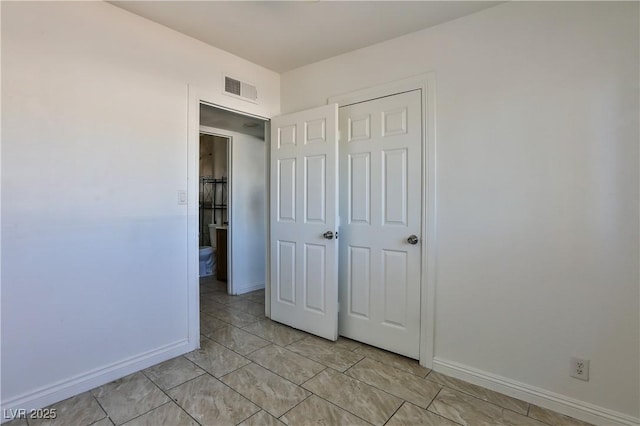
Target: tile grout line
[(487, 402), (443, 417), (335, 349), (187, 381), (273, 372), (435, 414), (277, 344), (171, 399), (279, 375), (354, 364), (396, 410), (249, 323), (306, 358), (339, 372), (141, 414), (336, 405), (147, 412), (230, 350), (101, 407), (388, 364), (245, 397), (223, 383), (289, 410), (542, 421), (235, 352), (96, 422), (431, 402), (251, 415), (481, 399), (389, 393), (238, 328), (312, 377)]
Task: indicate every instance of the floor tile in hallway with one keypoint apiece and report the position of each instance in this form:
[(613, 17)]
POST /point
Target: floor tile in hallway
[(253, 371)]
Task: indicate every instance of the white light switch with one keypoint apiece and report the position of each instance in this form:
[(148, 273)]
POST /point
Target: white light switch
[(182, 197)]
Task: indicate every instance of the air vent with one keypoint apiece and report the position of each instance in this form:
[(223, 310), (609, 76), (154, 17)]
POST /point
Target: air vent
[(232, 86), (240, 89)]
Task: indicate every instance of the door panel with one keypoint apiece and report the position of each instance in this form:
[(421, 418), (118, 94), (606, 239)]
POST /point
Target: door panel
[(286, 272), (395, 287), (359, 265), (380, 157), (358, 191), (315, 191), (394, 189), (286, 190), (304, 205), (314, 277)]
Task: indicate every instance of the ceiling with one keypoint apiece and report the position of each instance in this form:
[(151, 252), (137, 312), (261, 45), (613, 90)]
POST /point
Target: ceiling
[(284, 35)]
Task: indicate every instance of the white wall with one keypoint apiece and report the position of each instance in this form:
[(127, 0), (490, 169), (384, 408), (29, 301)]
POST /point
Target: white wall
[(248, 212), (94, 243), (537, 189)]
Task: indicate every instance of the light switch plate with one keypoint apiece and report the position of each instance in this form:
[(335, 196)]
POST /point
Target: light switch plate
[(182, 197)]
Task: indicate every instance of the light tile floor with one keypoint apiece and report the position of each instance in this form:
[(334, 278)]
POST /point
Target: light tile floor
[(252, 371)]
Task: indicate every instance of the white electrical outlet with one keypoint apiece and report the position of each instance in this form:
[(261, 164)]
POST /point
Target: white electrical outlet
[(579, 368)]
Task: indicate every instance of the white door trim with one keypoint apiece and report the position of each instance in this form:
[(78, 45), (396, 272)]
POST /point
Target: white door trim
[(426, 83), (195, 97)]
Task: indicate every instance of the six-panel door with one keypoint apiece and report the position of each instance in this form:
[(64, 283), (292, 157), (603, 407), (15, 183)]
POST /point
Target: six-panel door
[(380, 209), (303, 184)]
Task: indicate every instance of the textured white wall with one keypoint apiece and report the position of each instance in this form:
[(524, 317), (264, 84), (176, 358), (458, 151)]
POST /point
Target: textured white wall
[(94, 243), (537, 187), (248, 212)]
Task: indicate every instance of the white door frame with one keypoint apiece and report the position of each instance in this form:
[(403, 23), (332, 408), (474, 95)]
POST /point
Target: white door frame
[(426, 83), (195, 98)]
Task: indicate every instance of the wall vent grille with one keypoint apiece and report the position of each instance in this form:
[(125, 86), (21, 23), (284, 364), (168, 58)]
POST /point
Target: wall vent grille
[(241, 89)]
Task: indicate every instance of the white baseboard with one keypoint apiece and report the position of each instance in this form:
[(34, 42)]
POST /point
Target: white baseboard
[(249, 289), (541, 397), (67, 388)]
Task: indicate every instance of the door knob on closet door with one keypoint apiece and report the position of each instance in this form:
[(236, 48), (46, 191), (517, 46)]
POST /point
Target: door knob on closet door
[(328, 235), (412, 239)]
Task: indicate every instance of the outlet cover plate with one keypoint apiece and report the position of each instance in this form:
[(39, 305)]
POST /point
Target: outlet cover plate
[(579, 368)]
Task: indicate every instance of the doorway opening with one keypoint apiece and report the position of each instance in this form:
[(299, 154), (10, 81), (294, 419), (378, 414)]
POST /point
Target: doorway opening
[(213, 213), (231, 208)]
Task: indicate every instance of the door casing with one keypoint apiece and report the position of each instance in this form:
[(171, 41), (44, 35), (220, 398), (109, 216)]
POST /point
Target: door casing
[(197, 96)]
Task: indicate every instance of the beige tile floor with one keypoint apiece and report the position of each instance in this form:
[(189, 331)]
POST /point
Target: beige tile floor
[(252, 371)]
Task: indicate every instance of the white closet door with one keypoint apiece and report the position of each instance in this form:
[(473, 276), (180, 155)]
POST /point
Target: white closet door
[(304, 214), (380, 211)]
